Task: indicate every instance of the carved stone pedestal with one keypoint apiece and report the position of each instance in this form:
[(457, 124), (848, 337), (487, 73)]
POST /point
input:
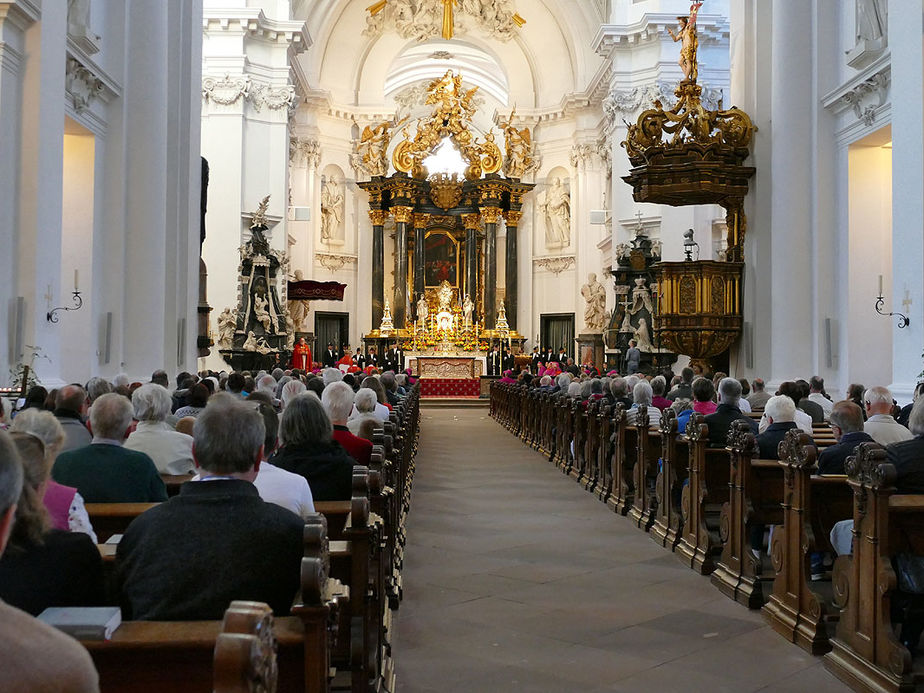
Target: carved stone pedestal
[(590, 350)]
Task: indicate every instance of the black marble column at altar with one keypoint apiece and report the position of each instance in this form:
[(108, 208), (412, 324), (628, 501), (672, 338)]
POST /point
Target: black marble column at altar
[(490, 216), (472, 222), (378, 265), (510, 268), (420, 260), (399, 309)]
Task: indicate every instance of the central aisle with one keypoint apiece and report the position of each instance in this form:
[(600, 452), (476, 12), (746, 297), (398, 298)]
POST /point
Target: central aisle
[(516, 579)]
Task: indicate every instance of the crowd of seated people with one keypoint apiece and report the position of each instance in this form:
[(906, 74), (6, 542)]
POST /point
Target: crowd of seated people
[(258, 451)]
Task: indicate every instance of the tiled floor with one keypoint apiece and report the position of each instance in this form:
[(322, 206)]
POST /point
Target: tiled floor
[(516, 579)]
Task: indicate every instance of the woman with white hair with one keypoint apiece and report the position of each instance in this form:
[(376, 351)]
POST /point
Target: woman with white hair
[(643, 394), (170, 450), (291, 390), (366, 407), (64, 504)]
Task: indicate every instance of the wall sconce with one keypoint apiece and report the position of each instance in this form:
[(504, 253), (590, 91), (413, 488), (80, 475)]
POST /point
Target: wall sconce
[(52, 315), (903, 320)]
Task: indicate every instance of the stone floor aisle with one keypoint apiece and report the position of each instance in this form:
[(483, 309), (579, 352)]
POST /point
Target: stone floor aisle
[(516, 579)]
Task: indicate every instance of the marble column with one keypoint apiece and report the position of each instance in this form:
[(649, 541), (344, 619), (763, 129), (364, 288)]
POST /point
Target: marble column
[(907, 286), (377, 216), (420, 260), (472, 223), (512, 276), (403, 217), (490, 216), (791, 254)]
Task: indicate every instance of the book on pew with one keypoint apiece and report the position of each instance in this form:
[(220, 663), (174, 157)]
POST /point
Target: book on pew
[(84, 622)]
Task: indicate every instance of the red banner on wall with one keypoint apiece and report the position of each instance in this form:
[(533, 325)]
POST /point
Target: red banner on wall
[(310, 290)]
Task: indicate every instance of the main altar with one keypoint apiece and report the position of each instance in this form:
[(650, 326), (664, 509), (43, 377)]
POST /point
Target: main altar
[(444, 311)]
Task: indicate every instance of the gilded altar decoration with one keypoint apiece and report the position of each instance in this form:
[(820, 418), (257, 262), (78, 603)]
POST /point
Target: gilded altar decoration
[(387, 323), (445, 190), (369, 152), (518, 149), (451, 117)]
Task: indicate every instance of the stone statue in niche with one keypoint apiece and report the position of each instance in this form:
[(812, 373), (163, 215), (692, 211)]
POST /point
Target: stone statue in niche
[(227, 322), (423, 310), (594, 294), (331, 210), (872, 19), (643, 337), (557, 210), (467, 309), (518, 159), (641, 297), (298, 310)]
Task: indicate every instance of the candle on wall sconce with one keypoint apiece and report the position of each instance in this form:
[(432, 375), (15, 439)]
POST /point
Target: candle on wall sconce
[(880, 285), (76, 283)]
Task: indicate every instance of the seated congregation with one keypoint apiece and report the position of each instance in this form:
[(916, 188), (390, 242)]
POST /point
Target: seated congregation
[(273, 498), (809, 509)]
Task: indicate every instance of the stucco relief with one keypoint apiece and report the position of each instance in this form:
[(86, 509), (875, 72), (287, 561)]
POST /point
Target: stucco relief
[(420, 20)]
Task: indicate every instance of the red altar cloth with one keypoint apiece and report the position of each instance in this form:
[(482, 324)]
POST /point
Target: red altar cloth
[(450, 387)]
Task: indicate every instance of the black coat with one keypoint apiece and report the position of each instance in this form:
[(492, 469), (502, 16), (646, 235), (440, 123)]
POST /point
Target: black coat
[(215, 542), (832, 459), (66, 570), (721, 421), (768, 442), (328, 468), (813, 409), (330, 357), (908, 458)]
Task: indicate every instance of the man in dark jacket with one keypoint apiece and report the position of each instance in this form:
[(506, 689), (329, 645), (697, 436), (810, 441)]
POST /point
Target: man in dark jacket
[(847, 424), (330, 356), (780, 411), (720, 422), (684, 389), (217, 541), (908, 455)]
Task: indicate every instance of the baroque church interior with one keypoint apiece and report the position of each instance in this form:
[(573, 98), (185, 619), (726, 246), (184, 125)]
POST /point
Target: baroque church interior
[(649, 198)]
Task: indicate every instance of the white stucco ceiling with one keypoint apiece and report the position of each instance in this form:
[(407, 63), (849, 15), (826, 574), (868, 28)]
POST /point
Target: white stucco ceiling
[(550, 56)]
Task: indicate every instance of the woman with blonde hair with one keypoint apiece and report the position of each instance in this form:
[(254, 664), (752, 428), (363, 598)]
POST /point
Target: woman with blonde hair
[(64, 504)]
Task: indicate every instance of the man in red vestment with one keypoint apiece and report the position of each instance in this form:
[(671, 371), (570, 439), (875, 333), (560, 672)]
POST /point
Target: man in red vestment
[(301, 355)]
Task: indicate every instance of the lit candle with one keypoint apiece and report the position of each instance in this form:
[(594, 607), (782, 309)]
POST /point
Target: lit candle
[(880, 285), (76, 275)]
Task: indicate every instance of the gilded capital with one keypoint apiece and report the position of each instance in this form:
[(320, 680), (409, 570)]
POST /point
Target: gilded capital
[(513, 217), (403, 215), (472, 221), (377, 216), (421, 220), (490, 214)]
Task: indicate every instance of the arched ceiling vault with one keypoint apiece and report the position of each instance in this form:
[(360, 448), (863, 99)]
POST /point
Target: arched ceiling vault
[(549, 57)]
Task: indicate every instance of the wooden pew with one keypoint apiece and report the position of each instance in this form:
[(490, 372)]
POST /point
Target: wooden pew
[(755, 492), (149, 656), (799, 609), (702, 499), (866, 654), (604, 452), (622, 463), (668, 523), (174, 481), (113, 518), (645, 471)]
